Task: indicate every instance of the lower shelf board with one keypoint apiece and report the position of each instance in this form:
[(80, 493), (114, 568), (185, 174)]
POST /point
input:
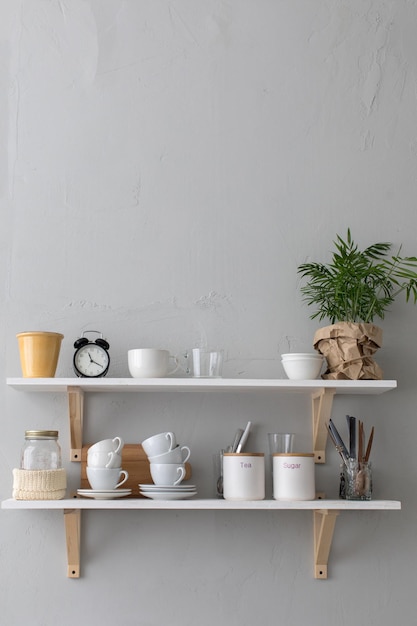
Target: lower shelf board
[(195, 504), (324, 511)]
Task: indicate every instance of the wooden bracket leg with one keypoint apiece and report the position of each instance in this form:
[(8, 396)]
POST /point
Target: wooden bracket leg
[(76, 410), (72, 519), (324, 523), (322, 403)]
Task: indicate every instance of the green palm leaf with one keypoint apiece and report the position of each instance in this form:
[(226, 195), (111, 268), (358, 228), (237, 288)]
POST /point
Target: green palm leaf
[(357, 286)]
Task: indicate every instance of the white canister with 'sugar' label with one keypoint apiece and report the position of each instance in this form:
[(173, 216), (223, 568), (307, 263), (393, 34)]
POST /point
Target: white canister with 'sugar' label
[(244, 476), (293, 476)]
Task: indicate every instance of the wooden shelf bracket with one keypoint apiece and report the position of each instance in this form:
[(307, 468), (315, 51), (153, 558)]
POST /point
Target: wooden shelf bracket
[(324, 523), (322, 403), (72, 519), (76, 414)]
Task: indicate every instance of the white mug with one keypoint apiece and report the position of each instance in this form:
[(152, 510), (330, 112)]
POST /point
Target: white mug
[(159, 444), (102, 478), (244, 476), (150, 363), (179, 454), (103, 459), (108, 445), (167, 473)]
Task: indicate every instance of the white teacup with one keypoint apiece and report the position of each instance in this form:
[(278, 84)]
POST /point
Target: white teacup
[(159, 444), (150, 363), (104, 459), (167, 473), (102, 478), (179, 454), (108, 445)]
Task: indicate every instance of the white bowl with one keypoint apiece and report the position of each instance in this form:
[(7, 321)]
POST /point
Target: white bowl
[(295, 356), (303, 368)]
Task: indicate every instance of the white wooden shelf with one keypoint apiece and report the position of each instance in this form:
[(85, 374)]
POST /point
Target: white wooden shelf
[(321, 393), (201, 384), (192, 504)]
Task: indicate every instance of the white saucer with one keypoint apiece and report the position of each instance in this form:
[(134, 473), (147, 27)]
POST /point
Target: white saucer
[(167, 487), (104, 494), (168, 495)]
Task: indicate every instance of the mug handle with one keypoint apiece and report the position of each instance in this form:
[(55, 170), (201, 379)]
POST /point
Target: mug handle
[(111, 456), (181, 470), (177, 365), (171, 438), (124, 479), (187, 451), (120, 444)]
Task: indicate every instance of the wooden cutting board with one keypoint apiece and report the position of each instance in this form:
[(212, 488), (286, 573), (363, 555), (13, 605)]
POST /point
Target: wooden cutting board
[(135, 462)]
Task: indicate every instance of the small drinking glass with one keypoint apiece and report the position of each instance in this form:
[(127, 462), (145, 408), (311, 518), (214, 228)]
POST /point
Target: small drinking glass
[(280, 443), (356, 480), (206, 363), (218, 473)]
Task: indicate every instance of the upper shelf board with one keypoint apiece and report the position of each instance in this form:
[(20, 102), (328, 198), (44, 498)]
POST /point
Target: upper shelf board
[(201, 384)]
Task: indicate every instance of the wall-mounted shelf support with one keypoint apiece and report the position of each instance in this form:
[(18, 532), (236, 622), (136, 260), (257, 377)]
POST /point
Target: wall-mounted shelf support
[(324, 523), (322, 403), (76, 414), (324, 512), (72, 519)]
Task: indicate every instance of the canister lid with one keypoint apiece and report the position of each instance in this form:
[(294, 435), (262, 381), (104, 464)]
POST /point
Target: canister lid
[(243, 454), (293, 454), (41, 434)]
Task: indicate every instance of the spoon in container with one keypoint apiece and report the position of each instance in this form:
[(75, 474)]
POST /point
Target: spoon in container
[(244, 437), (237, 438)]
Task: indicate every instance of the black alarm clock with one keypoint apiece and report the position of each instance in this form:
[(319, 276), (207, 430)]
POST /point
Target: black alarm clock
[(91, 358)]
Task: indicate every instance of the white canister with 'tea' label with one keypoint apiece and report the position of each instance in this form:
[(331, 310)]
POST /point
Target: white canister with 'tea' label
[(244, 476)]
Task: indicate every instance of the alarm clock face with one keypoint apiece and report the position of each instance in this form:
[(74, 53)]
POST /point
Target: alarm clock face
[(91, 361)]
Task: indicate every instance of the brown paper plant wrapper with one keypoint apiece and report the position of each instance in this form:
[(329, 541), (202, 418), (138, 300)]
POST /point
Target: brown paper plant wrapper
[(349, 350)]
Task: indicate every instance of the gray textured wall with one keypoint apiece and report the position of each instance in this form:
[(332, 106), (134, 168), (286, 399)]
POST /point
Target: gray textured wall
[(164, 168)]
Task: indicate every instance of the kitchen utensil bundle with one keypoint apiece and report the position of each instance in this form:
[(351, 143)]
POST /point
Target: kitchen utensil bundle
[(239, 441), (167, 466), (356, 474)]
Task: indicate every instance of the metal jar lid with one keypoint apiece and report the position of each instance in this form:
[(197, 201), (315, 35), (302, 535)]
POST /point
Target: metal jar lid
[(41, 434)]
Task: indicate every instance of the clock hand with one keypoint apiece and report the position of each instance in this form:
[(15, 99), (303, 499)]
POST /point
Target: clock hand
[(95, 362)]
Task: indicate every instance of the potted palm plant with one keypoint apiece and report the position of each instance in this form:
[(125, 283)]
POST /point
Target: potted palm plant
[(353, 290)]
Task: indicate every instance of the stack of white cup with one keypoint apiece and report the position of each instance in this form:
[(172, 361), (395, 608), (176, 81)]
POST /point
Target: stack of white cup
[(167, 459), (104, 465)]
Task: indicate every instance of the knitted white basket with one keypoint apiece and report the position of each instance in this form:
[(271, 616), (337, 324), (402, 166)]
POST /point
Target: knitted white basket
[(39, 484)]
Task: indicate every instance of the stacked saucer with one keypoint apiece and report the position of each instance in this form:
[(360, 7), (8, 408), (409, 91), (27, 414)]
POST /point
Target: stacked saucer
[(168, 492), (167, 461), (104, 494)]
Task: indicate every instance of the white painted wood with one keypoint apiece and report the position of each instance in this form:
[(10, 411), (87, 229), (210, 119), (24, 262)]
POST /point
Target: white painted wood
[(209, 504), (357, 387)]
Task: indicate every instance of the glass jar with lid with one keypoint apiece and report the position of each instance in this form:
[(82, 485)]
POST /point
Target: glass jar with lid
[(41, 450)]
